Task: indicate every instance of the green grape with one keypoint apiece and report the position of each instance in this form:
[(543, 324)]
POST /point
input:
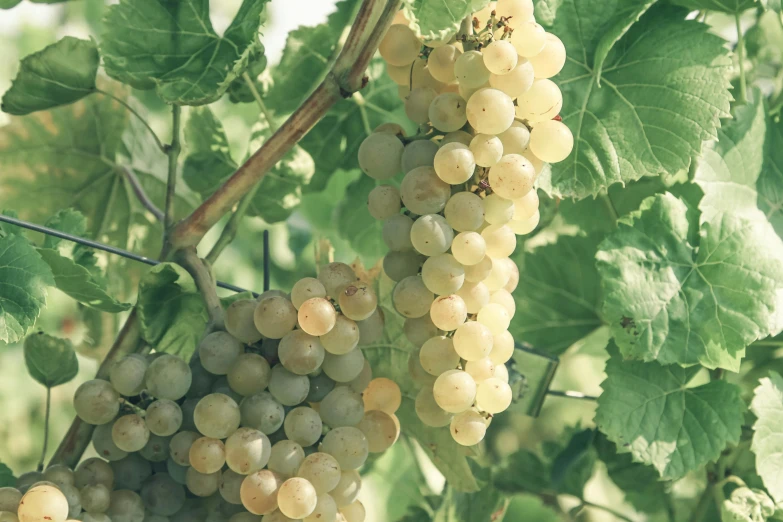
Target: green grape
[(218, 351), (9, 499), (380, 429), (73, 499), (163, 417), (448, 312), (551, 141), (131, 472), (259, 491), (156, 449), (179, 447), (396, 233), (221, 386), (458, 136), (60, 475), (321, 470), (239, 321), (441, 63), (207, 455), (342, 338), (480, 271), (217, 416), (275, 316), (500, 240), (104, 444), (432, 235), (380, 156), (325, 510), (358, 301), (320, 386), (201, 380), (335, 276), (493, 395), (168, 377), (43, 503), (382, 394), (502, 347), (300, 352), (354, 512), (447, 111), (418, 153), (464, 212), (497, 210), (247, 450), (470, 70), (495, 317), (454, 391), (418, 330), (127, 374), (487, 149), (438, 355), (286, 457), (288, 388), (500, 57), (399, 265), (411, 297), (262, 412), (188, 408), (26, 480), (162, 495), (551, 59), (475, 295), (417, 104), (540, 103), (342, 407), (95, 498), (399, 46), (94, 471), (490, 111), (249, 374), (468, 428), (454, 163), (177, 472), (344, 367), (428, 410), (348, 446), (96, 402), (516, 139), (230, 487), (245, 517), (303, 425), (383, 202), (347, 488), (307, 288), (423, 192), (200, 484)]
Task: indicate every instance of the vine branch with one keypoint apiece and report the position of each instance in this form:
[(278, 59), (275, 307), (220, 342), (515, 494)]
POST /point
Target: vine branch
[(140, 194), (202, 275), (46, 428)]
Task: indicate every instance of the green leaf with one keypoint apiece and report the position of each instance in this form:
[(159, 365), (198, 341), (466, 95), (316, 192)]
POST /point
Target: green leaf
[(50, 361), (537, 476), (557, 302), (171, 310), (306, 58), (650, 410), (723, 6), (7, 479), (574, 466), (747, 505), (623, 22), (355, 224), (529, 507), (439, 19), (767, 405), (8, 4), (664, 88), (486, 504), (66, 220), (676, 302), (239, 91), (24, 277), (396, 480), (61, 73), (172, 47), (770, 182), (78, 282), (209, 161)]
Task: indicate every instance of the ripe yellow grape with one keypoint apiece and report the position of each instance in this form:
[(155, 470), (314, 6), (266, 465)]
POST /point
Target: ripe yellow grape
[(441, 63), (542, 102), (317, 316), (473, 341), (454, 391), (495, 317), (490, 111), (475, 295), (438, 355), (399, 46), (551, 141), (500, 57), (448, 312), (551, 59), (464, 212), (512, 177), (528, 39), (468, 248)]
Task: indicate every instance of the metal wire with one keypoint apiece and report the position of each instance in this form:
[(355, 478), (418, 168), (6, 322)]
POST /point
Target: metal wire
[(569, 394)]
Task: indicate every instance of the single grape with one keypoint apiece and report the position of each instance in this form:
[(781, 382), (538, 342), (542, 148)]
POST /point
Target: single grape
[(342, 338), (380, 156), (504, 297), (468, 248), (458, 136), (348, 487), (127, 374), (417, 104), (201, 380), (516, 139), (321, 470), (493, 395), (399, 46), (239, 321), (541, 102), (513, 280), (218, 351), (454, 163), (303, 425), (475, 295), (131, 472), (464, 212), (354, 512), (412, 298), (168, 377), (96, 402), (288, 388), (538, 164), (156, 449), (502, 348), (262, 412), (551, 141), (9, 499), (361, 381), (470, 70), (297, 498), (200, 484), (423, 192), (431, 235), (428, 410), (348, 445), (487, 149), (259, 491), (275, 316), (512, 177), (528, 39), (286, 457), (344, 367), (473, 341), (495, 317), (325, 510), (448, 312), (163, 417), (221, 386), (162, 495), (551, 59), (335, 276), (130, 433), (498, 210), (480, 271), (247, 450), (396, 233), (370, 329), (454, 391), (526, 206), (399, 265), (441, 62), (342, 407), (468, 428), (94, 471), (490, 111), (300, 352), (249, 374), (207, 455), (95, 498), (419, 330), (419, 153), (443, 274), (382, 394), (447, 111), (43, 504), (380, 429), (383, 202), (27, 480), (58, 474), (438, 355), (500, 240), (518, 11), (309, 287), (179, 447), (230, 487), (498, 276), (500, 57), (480, 370), (517, 82), (217, 416), (358, 301)]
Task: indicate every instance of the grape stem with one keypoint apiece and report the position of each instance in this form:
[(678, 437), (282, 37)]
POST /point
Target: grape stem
[(172, 151), (46, 428), (205, 282), (138, 116), (141, 195)]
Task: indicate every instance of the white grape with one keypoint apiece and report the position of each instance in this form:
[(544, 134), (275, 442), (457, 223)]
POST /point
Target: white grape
[(441, 63), (247, 450), (325, 510), (498, 276), (249, 374), (126, 506), (500, 239), (380, 429), (503, 297), (286, 457), (360, 382), (344, 367), (502, 347), (498, 210), (517, 82), (93, 471), (383, 202), (95, 498), (348, 446), (380, 156), (382, 394), (454, 163), (127, 374), (551, 141), (412, 298), (480, 370), (358, 301), (443, 274), (487, 149), (518, 11), (59, 474), (537, 163), (274, 317), (500, 57), (370, 329), (419, 330), (399, 265), (526, 206), (493, 395), (458, 136), (217, 416), (528, 39), (396, 233), (470, 70), (512, 177), (541, 102), (490, 111), (335, 276), (423, 192), (321, 470), (479, 271), (179, 447), (431, 235), (230, 487), (419, 75), (418, 153), (475, 295), (454, 391), (353, 512), (130, 433), (218, 351), (417, 104), (428, 411), (317, 316), (309, 287), (551, 59), (495, 317), (300, 352), (303, 425), (343, 338), (262, 412), (467, 92), (525, 226), (447, 111), (96, 402), (163, 418), (399, 46), (473, 341), (239, 321), (468, 428), (43, 504), (516, 139), (259, 491), (438, 355), (448, 312), (468, 248), (342, 407), (464, 212), (289, 389), (207, 455), (349, 486), (131, 472)]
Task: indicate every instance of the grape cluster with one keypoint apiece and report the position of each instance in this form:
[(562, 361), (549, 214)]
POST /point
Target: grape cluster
[(269, 422), (488, 117)]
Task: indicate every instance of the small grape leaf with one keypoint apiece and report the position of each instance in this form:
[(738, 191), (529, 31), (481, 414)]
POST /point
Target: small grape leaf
[(61, 73), (747, 505), (573, 467), (24, 277), (50, 360), (354, 222), (79, 282), (536, 478), (487, 504), (722, 6), (676, 302), (172, 47), (664, 88), (623, 21), (770, 181), (767, 405), (66, 220), (649, 410), (557, 303), (439, 19), (307, 55), (7, 479), (240, 91)]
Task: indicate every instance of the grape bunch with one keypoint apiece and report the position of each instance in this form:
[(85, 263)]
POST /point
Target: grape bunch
[(269, 422), (489, 123)]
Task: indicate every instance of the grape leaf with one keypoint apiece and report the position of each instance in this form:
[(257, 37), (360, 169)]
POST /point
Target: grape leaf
[(529, 507), (557, 303), (306, 58), (676, 302), (61, 73), (240, 90), (396, 480), (747, 505), (66, 220), (664, 88), (573, 467), (354, 222), (487, 504), (650, 410), (24, 277), (50, 361), (172, 47), (7, 479), (439, 19), (767, 405), (623, 22), (537, 476), (8, 4), (723, 6), (770, 181)]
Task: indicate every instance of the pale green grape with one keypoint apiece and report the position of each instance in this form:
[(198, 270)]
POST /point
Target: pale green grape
[(309, 287), (31, 478), (360, 382), (7, 516), (274, 317), (431, 235), (207, 455), (551, 141), (342, 338), (468, 248), (417, 372), (380, 429), (239, 321), (43, 504), (93, 471), (468, 428), (502, 347), (479, 271), (467, 92), (335, 276), (303, 425), (417, 104), (418, 153), (201, 380), (156, 449), (497, 210), (500, 57), (259, 491), (490, 111), (525, 226), (95, 498), (325, 510), (342, 407), (517, 82), (540, 103), (528, 39), (423, 192), (162, 495), (475, 296), (473, 341), (399, 46), (230, 487), (454, 163), (441, 63), (526, 206), (125, 506), (300, 352), (262, 412), (411, 297), (380, 156), (512, 177), (481, 369), (447, 111), (249, 374), (348, 446), (438, 355), (247, 450), (221, 386), (396, 233), (59, 474), (131, 472), (470, 70), (504, 297), (370, 329), (419, 75), (383, 202), (495, 317), (73, 499), (418, 330), (464, 212), (217, 415), (428, 410), (200, 484), (516, 139), (551, 59), (454, 391), (395, 129), (498, 276), (401, 75), (458, 136), (344, 367), (493, 395), (297, 498), (382, 394), (218, 351), (321, 470), (288, 388), (179, 447), (130, 433), (487, 149), (500, 240), (442, 274), (358, 301), (9, 499), (286, 457), (399, 265), (519, 11), (348, 488), (96, 402), (127, 374), (448, 312)]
